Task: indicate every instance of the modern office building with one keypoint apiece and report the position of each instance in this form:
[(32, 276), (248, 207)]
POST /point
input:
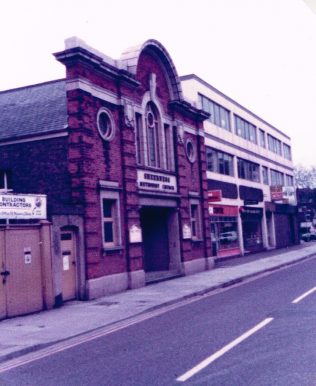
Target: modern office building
[(249, 175)]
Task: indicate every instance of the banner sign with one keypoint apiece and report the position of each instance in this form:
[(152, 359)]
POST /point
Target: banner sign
[(276, 193), (214, 195), (148, 180), (23, 206)]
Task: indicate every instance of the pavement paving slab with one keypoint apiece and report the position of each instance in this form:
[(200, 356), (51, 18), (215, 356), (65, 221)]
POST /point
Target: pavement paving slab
[(28, 333)]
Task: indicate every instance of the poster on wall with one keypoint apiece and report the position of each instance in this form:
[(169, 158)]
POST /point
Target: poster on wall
[(186, 231), (23, 206), (135, 234)]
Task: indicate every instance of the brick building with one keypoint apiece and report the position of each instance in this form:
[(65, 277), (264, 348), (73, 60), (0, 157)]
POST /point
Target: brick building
[(121, 157)]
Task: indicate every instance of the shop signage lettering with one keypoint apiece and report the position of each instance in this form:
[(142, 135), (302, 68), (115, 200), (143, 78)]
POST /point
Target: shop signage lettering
[(223, 210), (214, 195), (156, 181), (253, 211), (250, 202), (286, 194), (19, 206)]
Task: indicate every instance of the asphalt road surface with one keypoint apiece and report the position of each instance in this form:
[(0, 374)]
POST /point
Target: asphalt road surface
[(262, 332)]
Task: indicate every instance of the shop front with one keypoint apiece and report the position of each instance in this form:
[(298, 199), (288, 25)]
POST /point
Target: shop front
[(252, 228), (224, 230)]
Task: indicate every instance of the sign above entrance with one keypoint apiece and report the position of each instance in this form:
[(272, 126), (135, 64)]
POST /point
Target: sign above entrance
[(23, 206), (148, 180), (214, 195), (284, 194), (251, 202)]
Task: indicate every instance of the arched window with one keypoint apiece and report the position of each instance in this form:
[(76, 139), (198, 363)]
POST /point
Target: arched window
[(152, 127)]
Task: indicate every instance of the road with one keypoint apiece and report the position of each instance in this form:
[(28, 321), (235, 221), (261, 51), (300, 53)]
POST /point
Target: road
[(261, 332)]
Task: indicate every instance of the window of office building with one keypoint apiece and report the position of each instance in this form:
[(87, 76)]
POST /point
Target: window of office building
[(248, 170), (262, 138), (218, 114), (289, 181), (245, 129), (287, 151), (274, 144), (277, 178), (219, 162), (265, 175)]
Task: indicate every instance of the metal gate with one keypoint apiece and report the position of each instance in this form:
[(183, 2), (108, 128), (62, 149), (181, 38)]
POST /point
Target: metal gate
[(23, 277)]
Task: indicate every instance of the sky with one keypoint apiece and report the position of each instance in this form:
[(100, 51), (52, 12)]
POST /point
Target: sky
[(261, 53)]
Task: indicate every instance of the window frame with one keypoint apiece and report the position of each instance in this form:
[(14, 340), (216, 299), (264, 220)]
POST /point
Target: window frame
[(248, 169), (195, 220), (219, 158), (219, 115), (276, 178), (111, 134), (115, 218)]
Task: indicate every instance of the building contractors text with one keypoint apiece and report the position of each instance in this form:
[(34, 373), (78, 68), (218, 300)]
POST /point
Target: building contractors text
[(16, 206)]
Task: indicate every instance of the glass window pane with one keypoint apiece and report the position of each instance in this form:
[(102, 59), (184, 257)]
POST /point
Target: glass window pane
[(107, 208), (108, 232)]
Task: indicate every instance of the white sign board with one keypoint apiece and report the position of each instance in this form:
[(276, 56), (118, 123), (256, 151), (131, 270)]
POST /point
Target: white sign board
[(135, 234), (289, 194), (186, 231), (27, 255), (23, 206), (148, 180)]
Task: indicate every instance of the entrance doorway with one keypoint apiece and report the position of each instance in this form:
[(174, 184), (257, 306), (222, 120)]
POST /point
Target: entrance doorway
[(21, 272), (69, 263), (154, 223)]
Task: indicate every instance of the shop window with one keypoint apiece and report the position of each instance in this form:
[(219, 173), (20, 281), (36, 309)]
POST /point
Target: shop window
[(110, 220), (195, 220), (226, 232)]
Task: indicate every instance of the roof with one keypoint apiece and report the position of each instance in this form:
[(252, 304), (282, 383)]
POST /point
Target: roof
[(33, 110)]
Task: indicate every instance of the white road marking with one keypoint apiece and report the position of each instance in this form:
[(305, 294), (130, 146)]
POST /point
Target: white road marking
[(304, 295), (206, 362)]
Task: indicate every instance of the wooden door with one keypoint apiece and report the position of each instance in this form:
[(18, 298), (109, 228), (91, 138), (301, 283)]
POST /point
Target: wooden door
[(69, 263)]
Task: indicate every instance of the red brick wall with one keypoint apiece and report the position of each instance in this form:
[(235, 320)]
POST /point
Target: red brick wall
[(41, 167)]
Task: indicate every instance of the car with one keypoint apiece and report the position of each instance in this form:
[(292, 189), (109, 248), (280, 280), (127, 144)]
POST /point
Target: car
[(228, 236)]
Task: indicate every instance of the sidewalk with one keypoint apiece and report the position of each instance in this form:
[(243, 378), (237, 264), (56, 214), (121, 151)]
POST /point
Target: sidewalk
[(24, 334)]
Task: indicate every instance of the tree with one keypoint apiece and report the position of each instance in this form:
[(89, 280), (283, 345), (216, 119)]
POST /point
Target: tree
[(305, 177)]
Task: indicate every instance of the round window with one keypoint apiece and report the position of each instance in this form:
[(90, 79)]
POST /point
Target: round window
[(190, 150), (105, 125)]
